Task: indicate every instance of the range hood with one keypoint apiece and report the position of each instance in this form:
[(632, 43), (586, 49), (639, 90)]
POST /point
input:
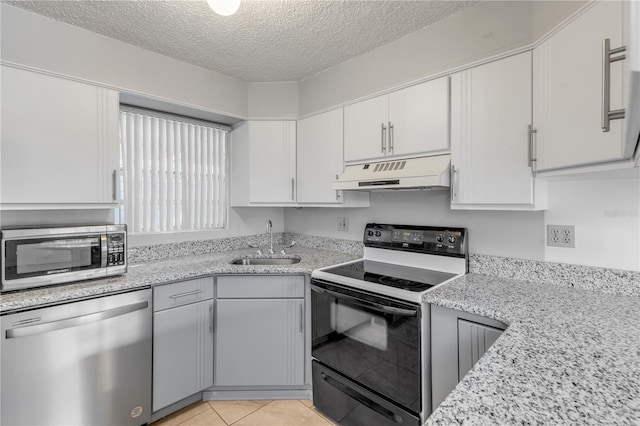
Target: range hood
[(403, 173)]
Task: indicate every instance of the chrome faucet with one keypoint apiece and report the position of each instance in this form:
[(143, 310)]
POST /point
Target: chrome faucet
[(269, 228)]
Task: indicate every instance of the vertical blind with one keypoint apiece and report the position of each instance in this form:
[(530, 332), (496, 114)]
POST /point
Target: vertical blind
[(173, 174)]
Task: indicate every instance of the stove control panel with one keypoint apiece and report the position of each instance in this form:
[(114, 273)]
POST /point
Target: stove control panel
[(425, 239)]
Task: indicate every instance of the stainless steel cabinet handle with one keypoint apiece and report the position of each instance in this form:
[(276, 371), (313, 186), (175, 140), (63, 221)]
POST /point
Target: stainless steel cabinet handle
[(114, 185), (293, 184), (607, 114), (383, 138), (188, 293), (211, 318), (74, 321), (301, 318), (532, 157), (454, 182), (390, 138)]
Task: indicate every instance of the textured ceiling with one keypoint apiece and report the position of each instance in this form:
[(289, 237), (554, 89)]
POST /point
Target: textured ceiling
[(266, 40)]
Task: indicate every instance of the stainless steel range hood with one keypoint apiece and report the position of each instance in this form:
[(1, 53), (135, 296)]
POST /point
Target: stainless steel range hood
[(408, 173)]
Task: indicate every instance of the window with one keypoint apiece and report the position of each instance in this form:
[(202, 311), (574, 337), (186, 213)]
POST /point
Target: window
[(173, 173)]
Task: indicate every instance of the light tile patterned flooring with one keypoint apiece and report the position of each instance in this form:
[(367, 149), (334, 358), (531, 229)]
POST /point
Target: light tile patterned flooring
[(247, 413)]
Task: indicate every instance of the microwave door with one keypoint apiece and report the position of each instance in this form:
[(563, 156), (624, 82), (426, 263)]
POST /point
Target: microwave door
[(51, 256)]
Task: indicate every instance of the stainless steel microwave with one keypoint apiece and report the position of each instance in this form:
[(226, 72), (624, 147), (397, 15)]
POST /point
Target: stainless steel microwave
[(34, 257)]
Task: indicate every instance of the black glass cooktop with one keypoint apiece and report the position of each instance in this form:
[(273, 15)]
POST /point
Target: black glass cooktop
[(403, 277)]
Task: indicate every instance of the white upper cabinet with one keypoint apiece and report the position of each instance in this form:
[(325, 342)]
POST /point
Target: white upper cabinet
[(568, 91), (419, 117), (59, 142), (365, 129), (411, 121), (319, 154), (263, 168), (491, 151)]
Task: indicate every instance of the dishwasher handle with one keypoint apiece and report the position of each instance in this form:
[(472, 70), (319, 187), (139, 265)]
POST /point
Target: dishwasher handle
[(74, 321)]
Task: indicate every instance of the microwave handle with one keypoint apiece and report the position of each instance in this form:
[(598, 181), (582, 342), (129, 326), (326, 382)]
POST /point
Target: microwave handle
[(103, 251), (366, 304)]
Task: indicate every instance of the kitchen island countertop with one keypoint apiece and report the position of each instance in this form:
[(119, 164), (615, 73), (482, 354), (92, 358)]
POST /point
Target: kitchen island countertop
[(169, 270), (568, 357)]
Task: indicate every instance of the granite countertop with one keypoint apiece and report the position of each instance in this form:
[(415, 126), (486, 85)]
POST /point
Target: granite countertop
[(569, 356), (168, 270)]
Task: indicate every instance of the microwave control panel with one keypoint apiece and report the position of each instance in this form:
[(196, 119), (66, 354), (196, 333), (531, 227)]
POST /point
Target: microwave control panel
[(116, 249)]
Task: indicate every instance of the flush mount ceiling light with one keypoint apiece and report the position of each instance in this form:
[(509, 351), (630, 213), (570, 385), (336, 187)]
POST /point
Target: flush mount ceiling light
[(224, 7)]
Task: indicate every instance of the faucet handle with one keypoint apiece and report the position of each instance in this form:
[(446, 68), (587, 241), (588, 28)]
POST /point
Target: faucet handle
[(291, 244)]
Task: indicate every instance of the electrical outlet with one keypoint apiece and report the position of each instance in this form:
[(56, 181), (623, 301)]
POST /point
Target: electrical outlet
[(343, 224), (561, 236)]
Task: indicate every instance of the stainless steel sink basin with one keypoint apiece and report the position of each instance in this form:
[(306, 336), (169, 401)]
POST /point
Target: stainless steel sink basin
[(266, 261)]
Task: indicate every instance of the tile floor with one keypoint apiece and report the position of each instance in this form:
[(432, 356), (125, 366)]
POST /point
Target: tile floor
[(247, 413)]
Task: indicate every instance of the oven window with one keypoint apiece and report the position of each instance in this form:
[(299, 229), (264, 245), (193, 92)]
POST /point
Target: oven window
[(373, 341), (29, 258)]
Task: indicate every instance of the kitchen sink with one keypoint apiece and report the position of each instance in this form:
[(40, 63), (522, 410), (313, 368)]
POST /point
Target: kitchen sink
[(265, 261)]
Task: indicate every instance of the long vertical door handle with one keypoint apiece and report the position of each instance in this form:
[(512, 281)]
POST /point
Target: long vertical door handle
[(301, 318), (532, 157), (391, 138), (454, 182), (293, 184), (114, 185), (211, 317), (607, 114), (383, 138)]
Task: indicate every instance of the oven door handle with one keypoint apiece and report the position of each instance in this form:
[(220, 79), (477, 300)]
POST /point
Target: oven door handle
[(388, 414), (375, 306)]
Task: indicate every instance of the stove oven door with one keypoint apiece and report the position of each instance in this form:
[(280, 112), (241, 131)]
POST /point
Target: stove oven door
[(367, 357)]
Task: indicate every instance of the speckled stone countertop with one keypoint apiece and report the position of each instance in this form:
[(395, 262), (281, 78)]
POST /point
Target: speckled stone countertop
[(568, 357), (168, 270)]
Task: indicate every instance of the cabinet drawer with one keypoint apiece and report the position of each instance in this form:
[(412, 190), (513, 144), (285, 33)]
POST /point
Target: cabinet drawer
[(260, 286), (182, 293)]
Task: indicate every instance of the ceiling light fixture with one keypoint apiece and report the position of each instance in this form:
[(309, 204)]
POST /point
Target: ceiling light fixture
[(224, 7)]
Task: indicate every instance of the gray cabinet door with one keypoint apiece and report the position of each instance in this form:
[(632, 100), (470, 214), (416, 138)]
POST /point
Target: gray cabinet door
[(473, 341), (458, 341), (259, 342), (182, 352)]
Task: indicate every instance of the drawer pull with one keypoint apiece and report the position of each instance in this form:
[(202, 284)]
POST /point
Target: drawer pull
[(188, 293)]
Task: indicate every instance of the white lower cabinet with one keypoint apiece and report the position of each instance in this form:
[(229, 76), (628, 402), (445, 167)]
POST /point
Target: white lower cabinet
[(492, 153), (182, 340), (260, 331), (458, 341)]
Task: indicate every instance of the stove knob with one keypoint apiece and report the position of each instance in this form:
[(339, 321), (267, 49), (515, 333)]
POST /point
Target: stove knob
[(452, 239), (440, 238), (370, 233), (378, 233)]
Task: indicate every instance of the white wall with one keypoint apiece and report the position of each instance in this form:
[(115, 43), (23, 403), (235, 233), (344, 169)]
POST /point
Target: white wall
[(605, 213), (273, 100), (491, 233), (33, 40), (489, 28)]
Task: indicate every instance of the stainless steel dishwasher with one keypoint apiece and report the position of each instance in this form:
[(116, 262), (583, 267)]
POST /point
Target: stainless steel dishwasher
[(79, 363)]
